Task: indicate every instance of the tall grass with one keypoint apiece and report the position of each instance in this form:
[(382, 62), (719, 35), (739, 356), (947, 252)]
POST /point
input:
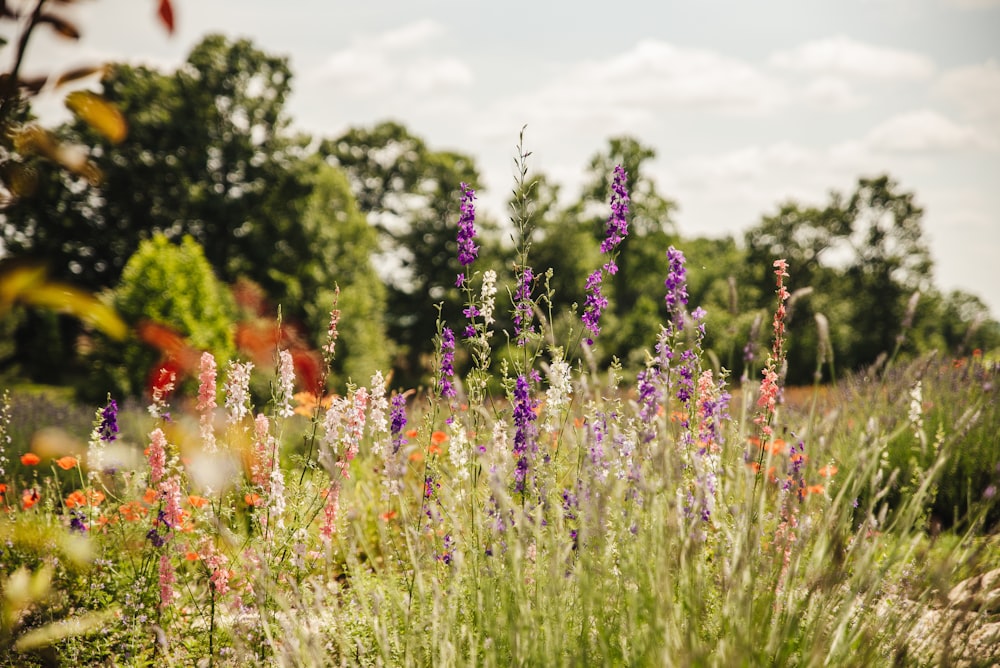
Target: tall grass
[(569, 519)]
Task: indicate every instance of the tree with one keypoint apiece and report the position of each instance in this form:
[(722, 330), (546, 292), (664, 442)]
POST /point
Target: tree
[(208, 156), (862, 256), (412, 195)]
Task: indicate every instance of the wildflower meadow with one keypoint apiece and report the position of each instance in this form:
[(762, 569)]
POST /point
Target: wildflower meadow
[(526, 506)]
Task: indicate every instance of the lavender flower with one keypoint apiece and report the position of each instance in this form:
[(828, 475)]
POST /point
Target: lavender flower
[(676, 284), (617, 227), (467, 250), (447, 363), (397, 420), (594, 305), (108, 426), (523, 307), (525, 431), (615, 233)]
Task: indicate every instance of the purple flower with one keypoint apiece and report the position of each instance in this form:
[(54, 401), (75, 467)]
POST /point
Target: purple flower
[(617, 227), (522, 306), (615, 233), (447, 363), (594, 305), (525, 430), (397, 420), (676, 284), (467, 250), (155, 538), (77, 524), (108, 427)]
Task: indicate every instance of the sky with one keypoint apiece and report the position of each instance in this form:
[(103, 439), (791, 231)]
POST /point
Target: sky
[(747, 104)]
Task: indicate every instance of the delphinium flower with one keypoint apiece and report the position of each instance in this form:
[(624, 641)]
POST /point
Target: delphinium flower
[(523, 306), (354, 429), (597, 431), (458, 452), (237, 388), (649, 400), (525, 431), (768, 400), (378, 426), (167, 580), (615, 232), (263, 445), (557, 396), (467, 249), (331, 510), (286, 384), (395, 467), (487, 297), (676, 284), (447, 363), (330, 348), (157, 456), (105, 431), (215, 562), (163, 385), (207, 399)]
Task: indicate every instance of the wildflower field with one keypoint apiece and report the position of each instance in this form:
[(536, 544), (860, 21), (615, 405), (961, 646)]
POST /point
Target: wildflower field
[(525, 508)]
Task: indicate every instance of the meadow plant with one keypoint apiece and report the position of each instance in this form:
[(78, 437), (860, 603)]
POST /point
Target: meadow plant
[(575, 519)]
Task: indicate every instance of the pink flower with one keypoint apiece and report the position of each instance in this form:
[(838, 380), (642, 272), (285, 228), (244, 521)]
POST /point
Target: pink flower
[(167, 579), (330, 512), (206, 399), (286, 384), (157, 453)]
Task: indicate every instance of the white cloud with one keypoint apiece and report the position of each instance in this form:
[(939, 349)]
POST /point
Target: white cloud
[(976, 88), (392, 63), (832, 94), (627, 91), (922, 131), (844, 56)]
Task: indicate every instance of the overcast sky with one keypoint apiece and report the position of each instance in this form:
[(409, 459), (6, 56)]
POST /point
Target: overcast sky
[(747, 104)]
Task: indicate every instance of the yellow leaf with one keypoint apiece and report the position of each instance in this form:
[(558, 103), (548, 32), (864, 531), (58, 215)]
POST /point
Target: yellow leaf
[(78, 303), (15, 280), (98, 113)]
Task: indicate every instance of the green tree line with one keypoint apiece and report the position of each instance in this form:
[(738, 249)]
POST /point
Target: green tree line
[(212, 197)]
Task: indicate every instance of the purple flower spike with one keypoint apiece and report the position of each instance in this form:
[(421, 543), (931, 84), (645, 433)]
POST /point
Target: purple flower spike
[(467, 250), (447, 363), (615, 233)]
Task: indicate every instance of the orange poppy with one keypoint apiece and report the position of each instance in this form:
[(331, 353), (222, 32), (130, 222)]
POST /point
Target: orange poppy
[(438, 437), (76, 499), (30, 459), (197, 501), (191, 556), (3, 488), (29, 498), (814, 489), (828, 471), (411, 433), (434, 449), (132, 511), (416, 456), (149, 497), (777, 446), (66, 463), (95, 497), (388, 515), (252, 499)]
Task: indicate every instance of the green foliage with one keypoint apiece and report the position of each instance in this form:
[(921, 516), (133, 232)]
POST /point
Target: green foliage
[(172, 285)]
